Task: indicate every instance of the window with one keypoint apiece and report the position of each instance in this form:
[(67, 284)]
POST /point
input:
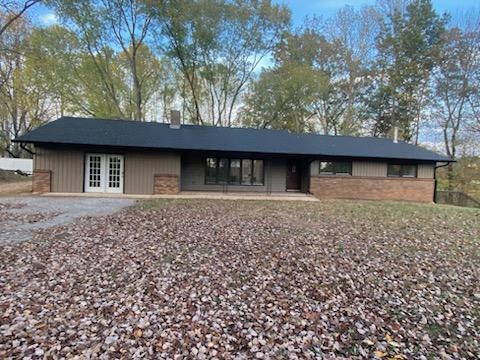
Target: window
[(246, 172), (336, 167), (222, 172), (234, 171), (234, 177), (211, 171), (402, 170), (257, 177)]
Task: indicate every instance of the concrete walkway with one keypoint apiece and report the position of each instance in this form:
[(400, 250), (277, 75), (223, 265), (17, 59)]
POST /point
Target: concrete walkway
[(284, 196)]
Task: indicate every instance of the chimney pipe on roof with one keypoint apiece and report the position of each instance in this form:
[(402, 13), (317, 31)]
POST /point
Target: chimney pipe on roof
[(174, 119), (395, 134)]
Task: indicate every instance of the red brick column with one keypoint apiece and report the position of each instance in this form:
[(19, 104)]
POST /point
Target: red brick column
[(164, 184), (41, 182), (372, 188)]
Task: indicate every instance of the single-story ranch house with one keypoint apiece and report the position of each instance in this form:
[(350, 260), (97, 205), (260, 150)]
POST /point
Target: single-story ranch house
[(74, 155)]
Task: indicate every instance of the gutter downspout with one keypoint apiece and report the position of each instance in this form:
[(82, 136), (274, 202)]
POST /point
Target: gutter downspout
[(436, 181)]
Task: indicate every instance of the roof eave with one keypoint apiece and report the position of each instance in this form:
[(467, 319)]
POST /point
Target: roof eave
[(17, 140)]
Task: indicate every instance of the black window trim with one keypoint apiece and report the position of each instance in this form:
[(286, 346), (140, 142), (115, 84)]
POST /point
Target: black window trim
[(400, 175), (334, 173), (240, 183)]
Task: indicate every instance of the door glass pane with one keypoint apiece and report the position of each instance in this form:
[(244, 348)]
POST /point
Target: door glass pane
[(234, 171), (222, 171), (114, 172), (257, 178), (246, 171), (94, 163)]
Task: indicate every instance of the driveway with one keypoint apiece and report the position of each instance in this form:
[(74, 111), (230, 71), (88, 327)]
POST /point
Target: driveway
[(20, 217)]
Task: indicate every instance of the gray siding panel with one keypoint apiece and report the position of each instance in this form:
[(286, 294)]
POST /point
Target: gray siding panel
[(426, 171), (369, 168), (66, 167), (141, 167), (193, 177)]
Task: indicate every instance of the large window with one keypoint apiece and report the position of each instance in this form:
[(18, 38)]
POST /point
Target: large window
[(335, 167), (234, 171), (402, 170), (211, 171)]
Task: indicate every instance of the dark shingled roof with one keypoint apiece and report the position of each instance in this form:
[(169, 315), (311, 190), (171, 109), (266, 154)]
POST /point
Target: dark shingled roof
[(87, 131)]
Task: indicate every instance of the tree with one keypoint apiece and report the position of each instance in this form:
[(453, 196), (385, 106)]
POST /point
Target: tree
[(353, 33), (13, 10), (113, 33), (409, 47), (325, 82), (282, 98), (217, 45), (24, 102), (457, 88)]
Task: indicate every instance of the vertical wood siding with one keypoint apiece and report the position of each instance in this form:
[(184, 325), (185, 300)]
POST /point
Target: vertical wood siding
[(141, 167), (425, 171), (66, 167), (369, 168)]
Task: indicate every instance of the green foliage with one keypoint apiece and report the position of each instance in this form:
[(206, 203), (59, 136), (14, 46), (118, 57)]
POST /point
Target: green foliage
[(409, 47), (281, 98), (216, 45), (307, 90), (465, 176)]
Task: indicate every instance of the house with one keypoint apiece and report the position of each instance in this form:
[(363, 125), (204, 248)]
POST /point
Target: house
[(74, 155)]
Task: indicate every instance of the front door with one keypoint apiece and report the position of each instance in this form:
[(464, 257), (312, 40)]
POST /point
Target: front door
[(293, 176), (104, 173)]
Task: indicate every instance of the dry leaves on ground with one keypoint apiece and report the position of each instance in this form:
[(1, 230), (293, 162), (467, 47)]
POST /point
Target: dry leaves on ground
[(247, 279)]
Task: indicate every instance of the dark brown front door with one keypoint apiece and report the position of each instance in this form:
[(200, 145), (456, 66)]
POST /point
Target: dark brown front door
[(293, 176)]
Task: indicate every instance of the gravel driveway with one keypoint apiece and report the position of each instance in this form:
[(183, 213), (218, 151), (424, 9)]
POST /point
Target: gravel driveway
[(20, 217)]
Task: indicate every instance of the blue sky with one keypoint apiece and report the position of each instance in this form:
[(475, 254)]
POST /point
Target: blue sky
[(301, 8), (326, 8)]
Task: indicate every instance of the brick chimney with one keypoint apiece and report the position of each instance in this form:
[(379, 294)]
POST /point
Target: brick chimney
[(174, 119)]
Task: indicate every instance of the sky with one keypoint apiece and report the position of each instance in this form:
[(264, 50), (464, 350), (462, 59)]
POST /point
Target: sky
[(327, 8), (300, 8)]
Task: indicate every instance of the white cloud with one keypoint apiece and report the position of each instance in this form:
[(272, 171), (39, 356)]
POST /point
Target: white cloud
[(48, 19)]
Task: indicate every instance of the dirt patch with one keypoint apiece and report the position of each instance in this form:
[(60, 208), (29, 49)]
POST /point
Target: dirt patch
[(16, 188), (8, 176)]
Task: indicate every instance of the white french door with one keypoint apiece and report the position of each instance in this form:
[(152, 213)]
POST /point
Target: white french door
[(104, 173)]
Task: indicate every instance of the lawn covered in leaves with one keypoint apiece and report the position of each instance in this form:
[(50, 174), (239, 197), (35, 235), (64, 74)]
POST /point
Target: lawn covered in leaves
[(248, 279)]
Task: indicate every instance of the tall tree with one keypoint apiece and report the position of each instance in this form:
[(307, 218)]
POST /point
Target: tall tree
[(282, 98), (110, 31), (217, 45), (24, 103), (408, 47), (457, 88), (13, 10)]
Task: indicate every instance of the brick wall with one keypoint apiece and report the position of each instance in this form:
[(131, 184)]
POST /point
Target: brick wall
[(165, 185), (41, 182), (372, 188)]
